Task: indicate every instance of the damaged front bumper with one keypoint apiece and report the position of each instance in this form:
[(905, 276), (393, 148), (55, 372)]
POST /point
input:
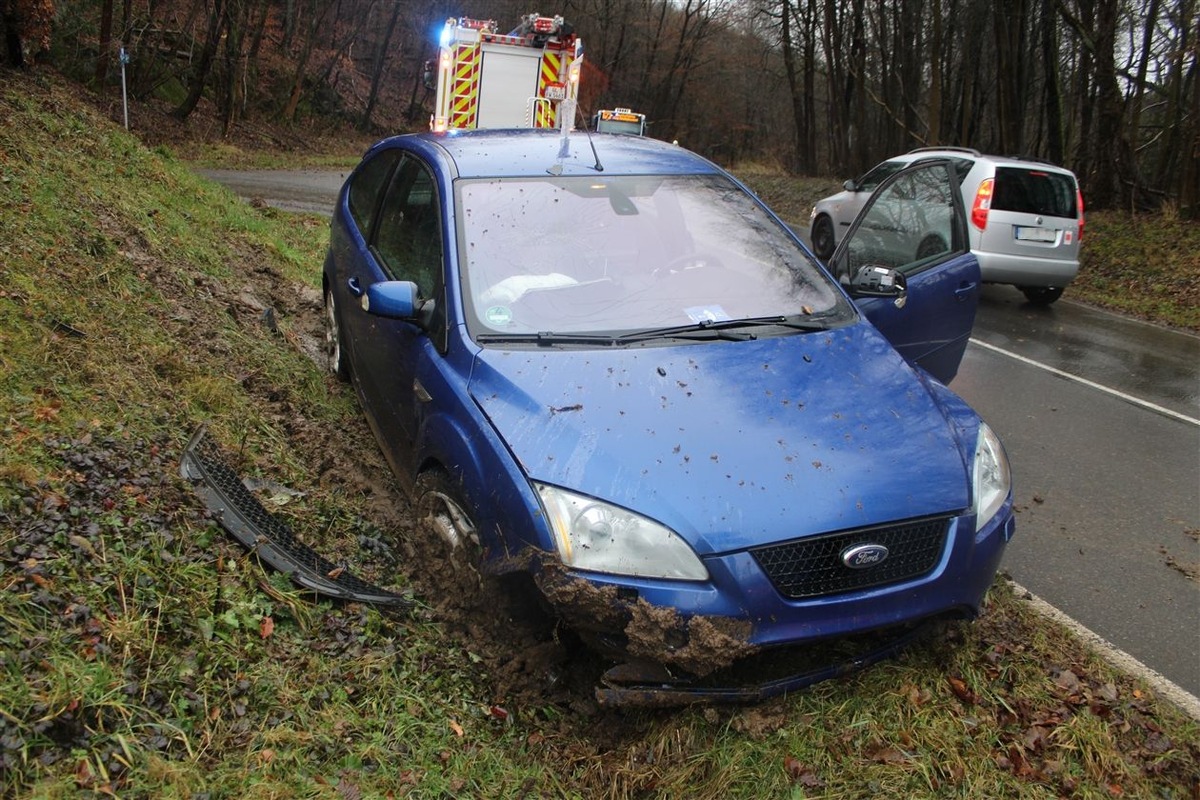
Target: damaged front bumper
[(675, 659), (651, 685)]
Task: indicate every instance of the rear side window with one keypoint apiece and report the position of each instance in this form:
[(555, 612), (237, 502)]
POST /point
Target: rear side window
[(1034, 191)]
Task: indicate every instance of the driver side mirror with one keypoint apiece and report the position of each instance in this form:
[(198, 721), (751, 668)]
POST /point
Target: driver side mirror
[(398, 300), (876, 281)]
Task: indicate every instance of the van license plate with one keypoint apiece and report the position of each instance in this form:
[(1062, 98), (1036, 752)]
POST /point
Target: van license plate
[(1037, 234)]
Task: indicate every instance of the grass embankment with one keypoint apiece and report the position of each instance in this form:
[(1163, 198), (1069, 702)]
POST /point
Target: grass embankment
[(144, 654)]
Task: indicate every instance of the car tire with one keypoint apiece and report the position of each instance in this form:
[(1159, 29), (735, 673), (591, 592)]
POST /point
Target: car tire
[(335, 355), (823, 243), (443, 518), (1042, 295)]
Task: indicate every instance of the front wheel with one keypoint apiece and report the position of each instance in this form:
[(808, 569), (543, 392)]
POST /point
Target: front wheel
[(445, 523), (335, 354), (1042, 295), (822, 237)]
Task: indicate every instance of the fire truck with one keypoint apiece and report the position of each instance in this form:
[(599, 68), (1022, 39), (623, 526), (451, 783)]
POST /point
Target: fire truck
[(619, 120), (527, 78)]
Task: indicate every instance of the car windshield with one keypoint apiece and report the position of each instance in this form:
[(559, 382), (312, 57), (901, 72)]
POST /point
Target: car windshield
[(614, 255)]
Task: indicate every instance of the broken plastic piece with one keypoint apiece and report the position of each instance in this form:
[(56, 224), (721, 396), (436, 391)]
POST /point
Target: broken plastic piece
[(240, 513)]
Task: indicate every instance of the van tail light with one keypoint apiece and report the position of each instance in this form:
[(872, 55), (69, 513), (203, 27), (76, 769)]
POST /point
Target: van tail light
[(1079, 205), (983, 203)]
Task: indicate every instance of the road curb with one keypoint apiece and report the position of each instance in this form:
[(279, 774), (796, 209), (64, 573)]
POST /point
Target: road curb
[(1162, 685)]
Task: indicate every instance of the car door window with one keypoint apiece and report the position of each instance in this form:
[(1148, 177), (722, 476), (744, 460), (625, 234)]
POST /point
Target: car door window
[(909, 225), (408, 242), (916, 222), (878, 174), (367, 186)]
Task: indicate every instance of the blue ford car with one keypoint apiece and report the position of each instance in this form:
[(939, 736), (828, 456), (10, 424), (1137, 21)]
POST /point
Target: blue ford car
[(605, 363)]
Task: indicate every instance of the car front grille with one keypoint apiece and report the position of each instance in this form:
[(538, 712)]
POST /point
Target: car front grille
[(813, 567)]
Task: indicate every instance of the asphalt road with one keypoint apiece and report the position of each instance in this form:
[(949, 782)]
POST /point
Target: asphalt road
[(1105, 452), (1101, 419)]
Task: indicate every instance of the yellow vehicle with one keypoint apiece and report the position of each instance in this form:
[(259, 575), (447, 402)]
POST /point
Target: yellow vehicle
[(619, 120), (527, 78)]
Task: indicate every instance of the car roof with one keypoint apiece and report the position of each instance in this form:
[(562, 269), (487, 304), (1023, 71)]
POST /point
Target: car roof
[(966, 152), (534, 152)]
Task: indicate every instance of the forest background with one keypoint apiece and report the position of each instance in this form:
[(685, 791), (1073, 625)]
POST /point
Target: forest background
[(1108, 88)]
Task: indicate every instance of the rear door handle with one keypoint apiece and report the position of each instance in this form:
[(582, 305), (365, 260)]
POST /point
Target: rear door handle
[(965, 291), (354, 286)]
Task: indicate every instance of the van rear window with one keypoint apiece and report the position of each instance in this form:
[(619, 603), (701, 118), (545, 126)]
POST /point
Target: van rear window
[(1034, 191)]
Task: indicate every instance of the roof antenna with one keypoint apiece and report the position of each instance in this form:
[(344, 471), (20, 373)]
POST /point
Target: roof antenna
[(587, 131), (564, 148)]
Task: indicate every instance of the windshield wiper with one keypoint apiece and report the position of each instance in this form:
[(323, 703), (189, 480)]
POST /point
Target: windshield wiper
[(546, 338), (736, 329)]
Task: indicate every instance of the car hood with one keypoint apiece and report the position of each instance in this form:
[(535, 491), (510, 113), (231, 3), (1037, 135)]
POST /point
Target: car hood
[(732, 444)]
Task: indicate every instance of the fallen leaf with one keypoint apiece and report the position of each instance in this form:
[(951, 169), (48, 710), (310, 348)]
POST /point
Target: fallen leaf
[(961, 691), (350, 791), (266, 627), (1034, 738), (886, 755), (1068, 680), (454, 726), (499, 712), (335, 572), (46, 413), (83, 544), (793, 768)]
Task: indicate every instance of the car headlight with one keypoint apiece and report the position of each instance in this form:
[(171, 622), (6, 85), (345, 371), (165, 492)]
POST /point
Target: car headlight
[(593, 535), (992, 478)]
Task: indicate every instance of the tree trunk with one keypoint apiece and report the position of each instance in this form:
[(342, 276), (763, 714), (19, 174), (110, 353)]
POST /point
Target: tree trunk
[(1108, 163), (104, 51), (378, 68), (1009, 28), (216, 22), (1052, 103)]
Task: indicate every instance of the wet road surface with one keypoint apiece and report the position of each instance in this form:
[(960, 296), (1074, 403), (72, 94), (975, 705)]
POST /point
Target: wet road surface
[(1106, 472), (1100, 416)]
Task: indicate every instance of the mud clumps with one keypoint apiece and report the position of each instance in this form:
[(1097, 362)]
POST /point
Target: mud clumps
[(700, 645)]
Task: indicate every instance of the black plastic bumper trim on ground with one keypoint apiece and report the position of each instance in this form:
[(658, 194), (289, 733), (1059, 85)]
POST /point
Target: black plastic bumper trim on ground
[(240, 513)]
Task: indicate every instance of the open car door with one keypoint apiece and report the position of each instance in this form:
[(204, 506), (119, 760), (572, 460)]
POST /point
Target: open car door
[(913, 230)]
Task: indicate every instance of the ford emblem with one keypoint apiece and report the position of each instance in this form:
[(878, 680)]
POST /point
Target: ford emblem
[(862, 556)]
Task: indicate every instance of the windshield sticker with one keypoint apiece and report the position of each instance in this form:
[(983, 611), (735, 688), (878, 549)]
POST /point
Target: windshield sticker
[(713, 313), (498, 315)]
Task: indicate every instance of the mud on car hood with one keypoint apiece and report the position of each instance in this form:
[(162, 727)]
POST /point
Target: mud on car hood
[(733, 444)]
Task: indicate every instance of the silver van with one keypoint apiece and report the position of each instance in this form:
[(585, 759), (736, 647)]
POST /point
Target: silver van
[(1026, 217)]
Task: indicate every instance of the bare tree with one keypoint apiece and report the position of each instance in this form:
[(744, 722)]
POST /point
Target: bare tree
[(203, 67)]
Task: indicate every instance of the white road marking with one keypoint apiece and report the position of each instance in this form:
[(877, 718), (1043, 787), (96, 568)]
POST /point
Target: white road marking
[(1114, 655), (1137, 401)]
